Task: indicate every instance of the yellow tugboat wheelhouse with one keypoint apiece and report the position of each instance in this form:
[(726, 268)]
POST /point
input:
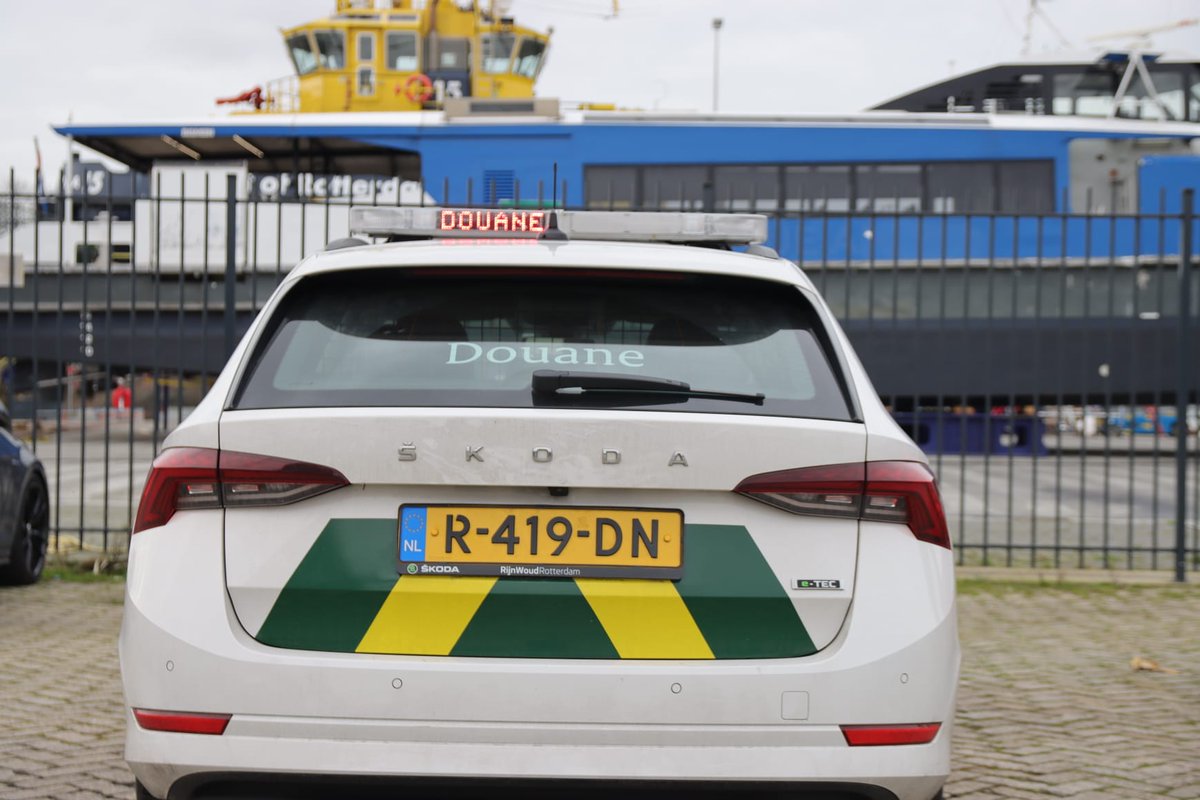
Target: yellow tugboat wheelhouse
[(402, 55)]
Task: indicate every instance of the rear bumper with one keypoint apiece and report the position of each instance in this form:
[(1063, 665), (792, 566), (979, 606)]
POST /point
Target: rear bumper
[(368, 719), (282, 758), (269, 786)]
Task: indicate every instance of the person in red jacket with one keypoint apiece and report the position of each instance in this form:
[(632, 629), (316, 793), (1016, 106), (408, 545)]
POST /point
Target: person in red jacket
[(122, 396)]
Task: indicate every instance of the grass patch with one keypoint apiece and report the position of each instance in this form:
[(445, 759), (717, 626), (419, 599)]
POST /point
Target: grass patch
[(90, 571), (73, 575)]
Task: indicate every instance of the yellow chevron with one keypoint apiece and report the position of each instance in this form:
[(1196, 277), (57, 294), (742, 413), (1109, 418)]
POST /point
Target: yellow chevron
[(425, 614), (645, 619)]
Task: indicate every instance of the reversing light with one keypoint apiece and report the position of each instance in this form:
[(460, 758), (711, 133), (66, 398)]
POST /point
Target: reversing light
[(183, 478), (179, 722), (880, 735), (903, 492)]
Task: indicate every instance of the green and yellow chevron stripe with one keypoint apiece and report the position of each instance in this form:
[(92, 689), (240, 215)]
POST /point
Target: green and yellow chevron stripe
[(345, 596)]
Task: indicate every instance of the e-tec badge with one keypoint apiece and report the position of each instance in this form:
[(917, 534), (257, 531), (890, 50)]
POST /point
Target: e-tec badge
[(814, 583)]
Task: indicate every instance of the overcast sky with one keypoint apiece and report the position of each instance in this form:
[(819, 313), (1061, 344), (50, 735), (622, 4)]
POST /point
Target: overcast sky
[(127, 61)]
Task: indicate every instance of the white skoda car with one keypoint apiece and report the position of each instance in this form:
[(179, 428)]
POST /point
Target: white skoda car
[(475, 511)]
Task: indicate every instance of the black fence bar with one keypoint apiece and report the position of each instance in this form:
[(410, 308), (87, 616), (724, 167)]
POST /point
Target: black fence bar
[(1186, 381), (231, 264), (1041, 360)]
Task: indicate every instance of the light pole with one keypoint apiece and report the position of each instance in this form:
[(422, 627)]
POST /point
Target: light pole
[(716, 26)]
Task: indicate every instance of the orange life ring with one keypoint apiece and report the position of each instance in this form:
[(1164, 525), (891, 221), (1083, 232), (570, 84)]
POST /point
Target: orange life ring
[(418, 88)]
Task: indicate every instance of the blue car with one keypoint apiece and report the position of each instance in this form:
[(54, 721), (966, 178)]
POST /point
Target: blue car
[(24, 509)]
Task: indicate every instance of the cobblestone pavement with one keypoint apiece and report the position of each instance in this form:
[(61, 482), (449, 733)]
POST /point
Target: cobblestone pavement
[(1048, 703)]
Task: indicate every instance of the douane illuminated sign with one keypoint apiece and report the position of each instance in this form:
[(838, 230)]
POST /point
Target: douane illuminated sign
[(492, 221)]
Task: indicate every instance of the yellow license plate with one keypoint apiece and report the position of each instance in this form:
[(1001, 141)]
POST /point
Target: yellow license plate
[(541, 541)]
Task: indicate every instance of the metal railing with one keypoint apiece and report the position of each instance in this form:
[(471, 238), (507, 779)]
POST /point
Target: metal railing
[(1046, 363)]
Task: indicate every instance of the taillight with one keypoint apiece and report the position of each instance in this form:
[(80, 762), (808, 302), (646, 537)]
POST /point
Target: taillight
[(250, 480), (885, 491), (197, 477), (180, 478)]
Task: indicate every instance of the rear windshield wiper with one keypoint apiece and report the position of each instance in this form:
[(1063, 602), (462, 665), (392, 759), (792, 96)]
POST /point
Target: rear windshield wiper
[(549, 381)]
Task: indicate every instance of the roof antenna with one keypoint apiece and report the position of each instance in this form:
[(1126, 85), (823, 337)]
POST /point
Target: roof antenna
[(552, 232)]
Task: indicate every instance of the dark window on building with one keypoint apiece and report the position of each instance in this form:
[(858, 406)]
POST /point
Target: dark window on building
[(960, 188), (611, 187), (981, 187), (746, 188), (1025, 187), (816, 188), (887, 188), (675, 188)]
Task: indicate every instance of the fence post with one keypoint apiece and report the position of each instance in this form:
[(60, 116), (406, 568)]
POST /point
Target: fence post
[(1183, 388), (230, 262)]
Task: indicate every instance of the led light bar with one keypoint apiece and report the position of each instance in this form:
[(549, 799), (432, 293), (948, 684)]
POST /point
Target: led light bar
[(614, 226)]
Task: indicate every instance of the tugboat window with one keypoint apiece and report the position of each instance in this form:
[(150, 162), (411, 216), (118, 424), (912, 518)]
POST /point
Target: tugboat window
[(302, 53), (497, 53), (366, 47), (366, 81), (529, 58), (332, 47), (402, 51)]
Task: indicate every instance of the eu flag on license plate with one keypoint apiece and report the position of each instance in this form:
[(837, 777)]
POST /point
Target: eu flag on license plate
[(412, 533)]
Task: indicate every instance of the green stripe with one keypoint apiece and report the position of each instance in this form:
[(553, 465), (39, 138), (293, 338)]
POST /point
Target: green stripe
[(339, 587), (735, 598), (531, 618)]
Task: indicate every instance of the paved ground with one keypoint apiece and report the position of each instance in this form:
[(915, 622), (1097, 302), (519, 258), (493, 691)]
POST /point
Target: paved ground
[(1048, 704)]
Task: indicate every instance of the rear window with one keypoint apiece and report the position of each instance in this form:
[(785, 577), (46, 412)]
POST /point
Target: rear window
[(474, 337)]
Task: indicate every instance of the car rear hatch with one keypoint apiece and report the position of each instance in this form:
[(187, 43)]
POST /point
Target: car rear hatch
[(397, 480)]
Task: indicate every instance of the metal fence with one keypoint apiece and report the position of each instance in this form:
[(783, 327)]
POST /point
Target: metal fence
[(1045, 362)]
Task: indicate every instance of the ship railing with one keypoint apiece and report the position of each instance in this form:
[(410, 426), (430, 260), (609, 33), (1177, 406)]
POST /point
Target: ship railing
[(281, 95)]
